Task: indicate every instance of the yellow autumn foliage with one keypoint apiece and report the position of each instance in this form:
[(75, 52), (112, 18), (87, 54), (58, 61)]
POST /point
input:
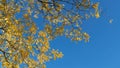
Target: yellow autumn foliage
[(23, 37)]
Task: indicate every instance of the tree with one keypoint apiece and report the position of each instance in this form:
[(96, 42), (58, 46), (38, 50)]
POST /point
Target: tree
[(21, 40)]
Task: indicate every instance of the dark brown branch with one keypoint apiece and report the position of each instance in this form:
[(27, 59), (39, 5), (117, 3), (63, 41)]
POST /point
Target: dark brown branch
[(4, 53), (45, 2)]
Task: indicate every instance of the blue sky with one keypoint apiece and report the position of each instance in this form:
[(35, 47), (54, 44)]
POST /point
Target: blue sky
[(103, 49)]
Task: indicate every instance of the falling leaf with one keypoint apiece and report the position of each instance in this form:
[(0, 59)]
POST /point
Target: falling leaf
[(97, 15), (111, 21), (95, 6)]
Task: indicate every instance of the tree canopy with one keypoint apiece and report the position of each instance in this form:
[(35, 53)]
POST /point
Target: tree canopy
[(22, 41)]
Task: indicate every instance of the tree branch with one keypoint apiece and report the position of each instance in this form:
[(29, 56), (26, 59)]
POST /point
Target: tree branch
[(4, 53)]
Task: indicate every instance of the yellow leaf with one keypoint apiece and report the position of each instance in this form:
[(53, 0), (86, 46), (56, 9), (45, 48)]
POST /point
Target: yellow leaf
[(18, 9), (95, 6), (24, 53), (30, 47), (97, 15), (26, 16), (33, 28), (48, 29), (43, 58), (3, 1), (15, 58), (57, 54), (44, 48), (86, 36), (6, 64), (43, 66), (42, 33), (60, 55), (1, 7)]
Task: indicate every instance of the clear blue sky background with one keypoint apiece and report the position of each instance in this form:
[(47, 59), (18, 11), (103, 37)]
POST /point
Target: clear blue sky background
[(103, 50)]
